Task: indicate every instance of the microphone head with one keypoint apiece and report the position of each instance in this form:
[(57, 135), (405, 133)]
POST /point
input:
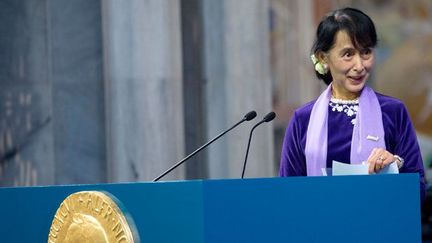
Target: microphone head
[(270, 116), (250, 115)]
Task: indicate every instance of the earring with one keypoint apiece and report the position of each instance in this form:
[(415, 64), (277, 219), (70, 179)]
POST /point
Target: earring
[(326, 68)]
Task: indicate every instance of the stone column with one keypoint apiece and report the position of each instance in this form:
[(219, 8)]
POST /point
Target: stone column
[(144, 91), (296, 82), (310, 86), (52, 121), (292, 70), (77, 89), (26, 128), (238, 80)]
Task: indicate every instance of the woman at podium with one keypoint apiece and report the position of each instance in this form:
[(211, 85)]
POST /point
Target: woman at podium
[(349, 122)]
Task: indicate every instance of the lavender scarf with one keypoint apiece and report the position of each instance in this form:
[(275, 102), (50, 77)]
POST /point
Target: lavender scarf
[(368, 132)]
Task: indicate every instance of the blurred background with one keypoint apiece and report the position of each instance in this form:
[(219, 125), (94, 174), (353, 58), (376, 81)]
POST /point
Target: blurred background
[(96, 91)]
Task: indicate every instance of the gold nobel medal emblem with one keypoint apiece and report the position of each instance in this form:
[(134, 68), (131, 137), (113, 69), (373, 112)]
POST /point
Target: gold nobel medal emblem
[(89, 216)]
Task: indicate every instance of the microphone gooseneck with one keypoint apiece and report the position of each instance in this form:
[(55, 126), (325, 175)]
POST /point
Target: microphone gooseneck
[(269, 117), (249, 116)]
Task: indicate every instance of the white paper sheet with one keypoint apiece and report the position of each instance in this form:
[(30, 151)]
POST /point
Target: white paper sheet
[(390, 169), (360, 169)]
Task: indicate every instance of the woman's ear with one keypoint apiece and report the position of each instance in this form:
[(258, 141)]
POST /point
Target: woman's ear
[(319, 63), (322, 57)]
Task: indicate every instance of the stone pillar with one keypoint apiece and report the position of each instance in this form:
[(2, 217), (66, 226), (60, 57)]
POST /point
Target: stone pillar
[(310, 85), (193, 87), (142, 56), (26, 130), (238, 80), (77, 91), (52, 116), (295, 79)]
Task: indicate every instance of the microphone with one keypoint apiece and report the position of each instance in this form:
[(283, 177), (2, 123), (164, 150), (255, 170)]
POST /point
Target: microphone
[(269, 117), (249, 116)]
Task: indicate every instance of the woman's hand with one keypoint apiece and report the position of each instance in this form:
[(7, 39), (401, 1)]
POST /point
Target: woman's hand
[(378, 159)]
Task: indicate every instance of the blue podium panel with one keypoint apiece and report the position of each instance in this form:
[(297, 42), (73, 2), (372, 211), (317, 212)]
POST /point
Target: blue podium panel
[(381, 208), (162, 212)]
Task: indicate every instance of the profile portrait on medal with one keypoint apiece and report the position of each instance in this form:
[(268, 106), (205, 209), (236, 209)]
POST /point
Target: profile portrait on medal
[(84, 228)]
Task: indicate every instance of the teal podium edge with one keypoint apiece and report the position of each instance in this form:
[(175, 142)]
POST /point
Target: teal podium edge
[(378, 208)]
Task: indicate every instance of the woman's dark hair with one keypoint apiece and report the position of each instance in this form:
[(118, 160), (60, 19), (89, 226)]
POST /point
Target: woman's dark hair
[(358, 26)]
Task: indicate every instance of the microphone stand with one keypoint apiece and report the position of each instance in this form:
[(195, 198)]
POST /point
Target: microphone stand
[(247, 150), (269, 117)]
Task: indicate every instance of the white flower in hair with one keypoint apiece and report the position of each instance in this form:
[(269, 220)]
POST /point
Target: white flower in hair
[(319, 67), (314, 59)]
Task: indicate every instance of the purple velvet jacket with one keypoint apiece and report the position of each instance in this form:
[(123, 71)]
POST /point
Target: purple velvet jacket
[(400, 139)]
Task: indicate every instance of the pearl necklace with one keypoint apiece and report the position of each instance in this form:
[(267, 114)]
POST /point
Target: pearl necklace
[(344, 102)]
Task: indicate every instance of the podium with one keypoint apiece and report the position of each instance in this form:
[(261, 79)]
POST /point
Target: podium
[(376, 208)]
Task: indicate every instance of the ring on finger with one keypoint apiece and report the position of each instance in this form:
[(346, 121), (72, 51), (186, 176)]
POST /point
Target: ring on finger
[(380, 163)]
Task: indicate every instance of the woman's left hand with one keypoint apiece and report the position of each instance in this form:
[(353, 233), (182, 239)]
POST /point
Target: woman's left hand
[(378, 159)]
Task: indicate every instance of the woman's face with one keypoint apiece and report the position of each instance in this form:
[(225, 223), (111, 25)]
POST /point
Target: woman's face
[(349, 67)]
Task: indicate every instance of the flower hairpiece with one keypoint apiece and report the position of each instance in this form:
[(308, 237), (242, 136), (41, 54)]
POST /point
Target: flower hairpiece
[(319, 67)]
